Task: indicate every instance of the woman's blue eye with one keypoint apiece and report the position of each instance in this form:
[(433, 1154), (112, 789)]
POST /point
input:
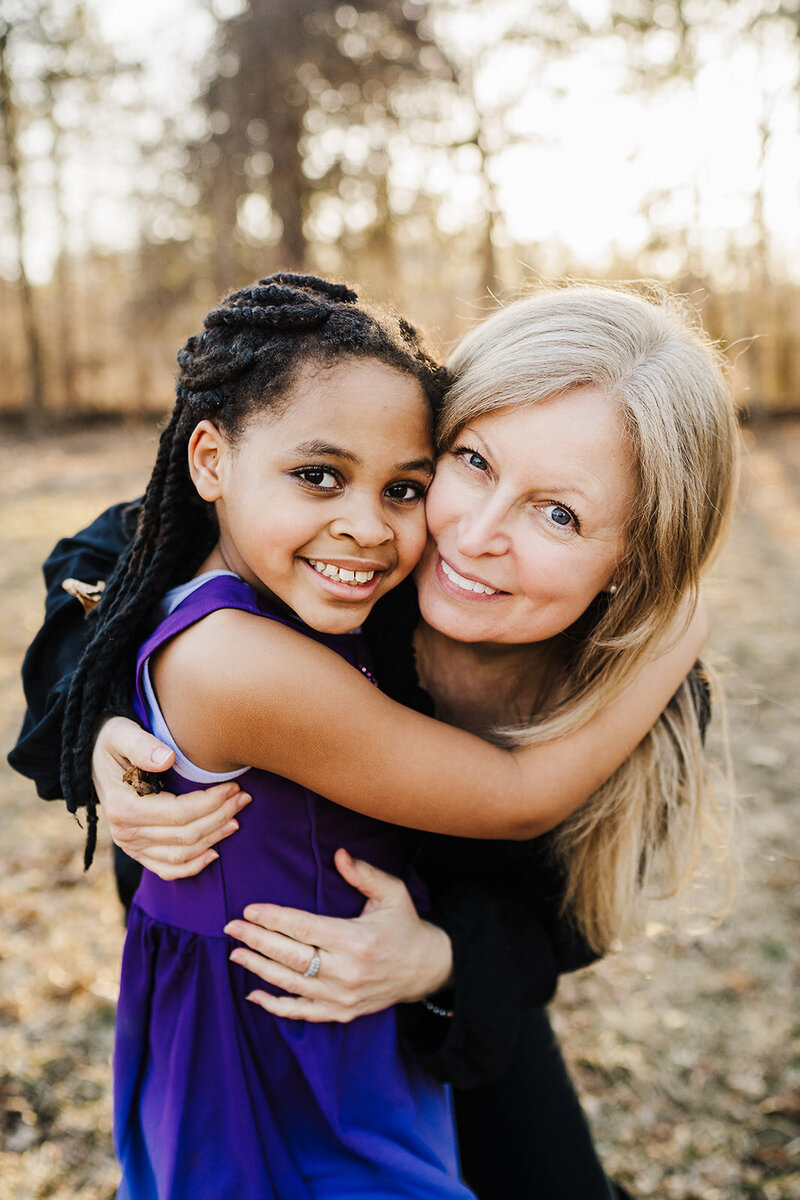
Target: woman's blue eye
[(472, 458), (561, 516)]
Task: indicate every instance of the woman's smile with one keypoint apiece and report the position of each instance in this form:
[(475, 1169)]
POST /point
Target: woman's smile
[(465, 587)]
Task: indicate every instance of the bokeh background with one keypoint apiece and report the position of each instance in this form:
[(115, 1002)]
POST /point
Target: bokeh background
[(442, 155)]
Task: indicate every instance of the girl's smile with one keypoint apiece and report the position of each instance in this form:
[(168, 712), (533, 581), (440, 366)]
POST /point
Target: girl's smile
[(321, 504)]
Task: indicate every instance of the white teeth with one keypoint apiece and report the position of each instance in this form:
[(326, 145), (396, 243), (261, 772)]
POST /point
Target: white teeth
[(469, 585), (341, 574)]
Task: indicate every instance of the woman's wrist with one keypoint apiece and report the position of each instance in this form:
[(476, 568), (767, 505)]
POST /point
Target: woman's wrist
[(438, 959)]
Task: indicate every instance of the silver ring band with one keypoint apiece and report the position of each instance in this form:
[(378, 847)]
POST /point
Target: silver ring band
[(312, 970)]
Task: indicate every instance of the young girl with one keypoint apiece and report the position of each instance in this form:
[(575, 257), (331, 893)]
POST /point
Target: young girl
[(286, 499)]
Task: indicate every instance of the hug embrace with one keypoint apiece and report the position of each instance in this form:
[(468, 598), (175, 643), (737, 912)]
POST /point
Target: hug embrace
[(510, 548)]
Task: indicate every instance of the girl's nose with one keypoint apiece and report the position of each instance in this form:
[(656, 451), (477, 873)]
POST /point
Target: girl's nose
[(484, 530), (364, 522)]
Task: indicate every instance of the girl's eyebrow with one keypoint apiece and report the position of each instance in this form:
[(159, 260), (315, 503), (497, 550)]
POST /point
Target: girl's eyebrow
[(316, 447), (325, 449)]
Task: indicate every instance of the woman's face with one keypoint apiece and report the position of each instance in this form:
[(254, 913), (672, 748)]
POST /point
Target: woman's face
[(526, 516)]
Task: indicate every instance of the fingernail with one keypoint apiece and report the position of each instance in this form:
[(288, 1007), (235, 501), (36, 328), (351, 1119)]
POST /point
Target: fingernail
[(211, 856), (235, 956), (244, 799), (230, 828), (160, 756)]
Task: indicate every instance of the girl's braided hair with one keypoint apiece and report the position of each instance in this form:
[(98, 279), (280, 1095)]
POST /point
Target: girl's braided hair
[(254, 344)]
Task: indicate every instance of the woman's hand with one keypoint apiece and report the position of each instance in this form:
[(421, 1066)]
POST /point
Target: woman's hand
[(169, 835), (388, 955)]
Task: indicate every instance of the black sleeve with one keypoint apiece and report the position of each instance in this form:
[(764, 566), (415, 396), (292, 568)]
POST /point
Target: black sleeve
[(54, 653), (501, 905)]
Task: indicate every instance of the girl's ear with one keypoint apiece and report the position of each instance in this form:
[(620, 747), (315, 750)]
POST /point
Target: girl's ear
[(207, 450)]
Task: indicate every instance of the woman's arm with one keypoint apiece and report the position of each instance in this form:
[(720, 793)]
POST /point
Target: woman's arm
[(310, 717)]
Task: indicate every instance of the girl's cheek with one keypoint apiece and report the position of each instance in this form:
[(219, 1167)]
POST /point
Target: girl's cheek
[(417, 539)]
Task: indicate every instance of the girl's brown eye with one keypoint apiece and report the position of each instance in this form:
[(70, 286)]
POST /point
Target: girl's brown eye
[(407, 492), (319, 477)]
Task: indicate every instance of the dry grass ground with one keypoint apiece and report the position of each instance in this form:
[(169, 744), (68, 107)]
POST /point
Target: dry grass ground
[(686, 1049)]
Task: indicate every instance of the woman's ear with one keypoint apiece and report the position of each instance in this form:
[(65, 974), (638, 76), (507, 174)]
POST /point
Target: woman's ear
[(207, 450)]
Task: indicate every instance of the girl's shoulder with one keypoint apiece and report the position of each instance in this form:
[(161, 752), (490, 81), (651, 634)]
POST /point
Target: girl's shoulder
[(218, 667)]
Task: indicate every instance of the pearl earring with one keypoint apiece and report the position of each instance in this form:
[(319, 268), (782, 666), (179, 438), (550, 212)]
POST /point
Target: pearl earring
[(612, 590)]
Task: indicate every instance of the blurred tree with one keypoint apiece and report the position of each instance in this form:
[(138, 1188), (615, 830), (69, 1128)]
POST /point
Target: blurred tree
[(495, 49), (12, 162), (285, 71), (53, 65)]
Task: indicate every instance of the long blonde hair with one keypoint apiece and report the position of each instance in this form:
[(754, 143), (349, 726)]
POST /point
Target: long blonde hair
[(647, 827)]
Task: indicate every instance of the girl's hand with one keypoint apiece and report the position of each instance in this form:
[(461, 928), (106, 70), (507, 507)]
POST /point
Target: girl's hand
[(169, 835), (388, 955)]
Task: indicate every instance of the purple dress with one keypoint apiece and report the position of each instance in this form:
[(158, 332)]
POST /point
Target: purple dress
[(213, 1096)]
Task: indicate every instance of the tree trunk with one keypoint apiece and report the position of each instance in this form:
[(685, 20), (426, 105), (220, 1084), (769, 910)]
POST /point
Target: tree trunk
[(34, 406), (288, 184)]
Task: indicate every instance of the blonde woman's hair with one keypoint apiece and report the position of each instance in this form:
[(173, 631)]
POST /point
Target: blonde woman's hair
[(646, 829)]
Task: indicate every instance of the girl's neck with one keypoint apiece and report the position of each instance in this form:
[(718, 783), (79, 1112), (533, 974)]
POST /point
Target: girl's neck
[(479, 686)]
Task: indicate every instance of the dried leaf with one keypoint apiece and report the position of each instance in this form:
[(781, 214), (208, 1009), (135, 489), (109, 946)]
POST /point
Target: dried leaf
[(137, 781), (88, 593)]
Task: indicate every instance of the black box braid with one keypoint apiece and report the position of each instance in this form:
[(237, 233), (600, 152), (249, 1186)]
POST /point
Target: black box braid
[(252, 347)]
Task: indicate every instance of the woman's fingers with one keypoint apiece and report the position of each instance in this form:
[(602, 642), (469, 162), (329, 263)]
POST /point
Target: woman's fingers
[(380, 888), (178, 827), (170, 871), (124, 739), (196, 813), (277, 975), (285, 950), (300, 926), (298, 1008)]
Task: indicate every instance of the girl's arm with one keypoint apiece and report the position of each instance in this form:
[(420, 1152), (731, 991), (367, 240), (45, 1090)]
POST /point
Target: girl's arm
[(264, 695)]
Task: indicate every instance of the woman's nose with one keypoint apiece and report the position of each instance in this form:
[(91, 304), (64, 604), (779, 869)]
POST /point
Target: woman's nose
[(484, 530), (364, 522)]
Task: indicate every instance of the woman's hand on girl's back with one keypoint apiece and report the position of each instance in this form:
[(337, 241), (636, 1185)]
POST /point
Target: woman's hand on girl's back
[(169, 835), (386, 956)]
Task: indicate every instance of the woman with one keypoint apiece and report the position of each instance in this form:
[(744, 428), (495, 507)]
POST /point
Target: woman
[(552, 396)]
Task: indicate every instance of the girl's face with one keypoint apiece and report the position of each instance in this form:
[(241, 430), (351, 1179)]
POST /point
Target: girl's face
[(321, 504), (527, 515)]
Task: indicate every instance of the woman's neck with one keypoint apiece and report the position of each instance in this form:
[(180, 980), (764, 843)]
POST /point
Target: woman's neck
[(483, 685)]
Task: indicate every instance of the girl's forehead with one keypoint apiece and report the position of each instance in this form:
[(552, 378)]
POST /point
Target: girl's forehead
[(358, 406)]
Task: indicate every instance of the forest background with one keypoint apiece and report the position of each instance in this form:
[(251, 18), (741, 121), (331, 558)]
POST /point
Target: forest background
[(441, 155)]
